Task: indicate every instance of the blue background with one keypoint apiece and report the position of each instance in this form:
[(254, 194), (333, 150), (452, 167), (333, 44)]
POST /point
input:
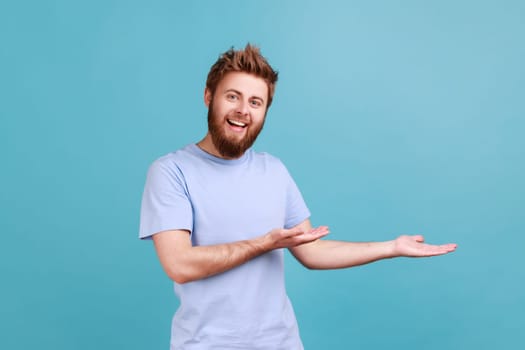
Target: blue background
[(393, 116)]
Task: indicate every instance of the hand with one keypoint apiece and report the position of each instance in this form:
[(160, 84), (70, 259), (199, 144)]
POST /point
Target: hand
[(414, 246), (288, 238)]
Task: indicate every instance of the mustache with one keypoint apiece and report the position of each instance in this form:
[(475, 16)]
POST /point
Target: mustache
[(226, 146), (239, 117)]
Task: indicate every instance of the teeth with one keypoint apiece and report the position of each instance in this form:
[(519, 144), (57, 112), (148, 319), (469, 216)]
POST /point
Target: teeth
[(236, 123)]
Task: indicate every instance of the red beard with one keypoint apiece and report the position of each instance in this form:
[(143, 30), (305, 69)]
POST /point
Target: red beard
[(230, 147)]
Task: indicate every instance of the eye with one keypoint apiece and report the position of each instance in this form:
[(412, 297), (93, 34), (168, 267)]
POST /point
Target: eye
[(231, 97), (256, 103)]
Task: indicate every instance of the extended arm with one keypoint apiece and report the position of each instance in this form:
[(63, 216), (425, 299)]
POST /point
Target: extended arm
[(183, 262), (326, 254)]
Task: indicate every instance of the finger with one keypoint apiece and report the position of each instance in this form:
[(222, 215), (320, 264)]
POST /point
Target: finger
[(319, 229), (296, 231), (449, 247), (418, 238), (321, 232), (444, 247), (439, 249), (314, 234)]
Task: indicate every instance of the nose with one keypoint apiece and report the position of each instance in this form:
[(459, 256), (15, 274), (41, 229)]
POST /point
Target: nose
[(243, 107)]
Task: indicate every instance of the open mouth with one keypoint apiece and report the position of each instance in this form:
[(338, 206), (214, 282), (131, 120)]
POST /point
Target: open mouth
[(236, 123)]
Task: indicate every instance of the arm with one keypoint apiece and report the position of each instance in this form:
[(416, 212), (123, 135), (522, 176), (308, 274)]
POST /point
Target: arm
[(183, 262), (326, 254)]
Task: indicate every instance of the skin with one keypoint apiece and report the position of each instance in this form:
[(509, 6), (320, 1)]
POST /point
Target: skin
[(242, 97), (239, 98)]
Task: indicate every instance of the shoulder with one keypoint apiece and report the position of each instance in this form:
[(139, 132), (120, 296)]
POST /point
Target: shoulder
[(269, 161), (174, 159), (266, 157), (171, 164)]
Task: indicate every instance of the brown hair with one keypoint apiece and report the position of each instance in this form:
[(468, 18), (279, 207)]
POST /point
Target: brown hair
[(249, 61)]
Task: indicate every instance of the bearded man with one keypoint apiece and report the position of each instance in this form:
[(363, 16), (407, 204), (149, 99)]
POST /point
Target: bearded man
[(220, 214)]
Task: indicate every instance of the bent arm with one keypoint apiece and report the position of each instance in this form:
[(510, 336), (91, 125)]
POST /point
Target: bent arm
[(327, 254), (184, 263)]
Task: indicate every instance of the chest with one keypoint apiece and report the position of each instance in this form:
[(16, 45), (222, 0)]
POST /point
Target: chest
[(236, 205)]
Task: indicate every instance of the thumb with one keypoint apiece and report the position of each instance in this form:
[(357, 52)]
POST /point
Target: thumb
[(418, 238)]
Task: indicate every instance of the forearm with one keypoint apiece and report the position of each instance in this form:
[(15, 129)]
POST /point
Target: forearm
[(327, 254), (204, 261), (183, 262), (337, 254)]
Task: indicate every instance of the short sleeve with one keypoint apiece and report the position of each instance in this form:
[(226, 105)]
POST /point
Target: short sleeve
[(165, 201), (296, 209)]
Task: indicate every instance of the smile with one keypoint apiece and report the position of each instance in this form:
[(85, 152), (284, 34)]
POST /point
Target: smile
[(236, 123)]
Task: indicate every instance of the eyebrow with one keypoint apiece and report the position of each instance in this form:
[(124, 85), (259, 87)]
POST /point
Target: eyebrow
[(240, 93)]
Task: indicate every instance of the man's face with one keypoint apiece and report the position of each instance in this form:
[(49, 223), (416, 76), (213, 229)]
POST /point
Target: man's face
[(236, 112)]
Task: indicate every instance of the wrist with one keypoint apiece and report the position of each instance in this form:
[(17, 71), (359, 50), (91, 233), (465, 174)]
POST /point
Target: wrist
[(262, 244), (391, 249)]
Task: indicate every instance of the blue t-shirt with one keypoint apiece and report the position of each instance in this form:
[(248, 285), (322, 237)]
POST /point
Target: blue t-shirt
[(222, 201)]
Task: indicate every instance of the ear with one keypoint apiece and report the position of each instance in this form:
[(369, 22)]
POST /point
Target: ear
[(207, 97)]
